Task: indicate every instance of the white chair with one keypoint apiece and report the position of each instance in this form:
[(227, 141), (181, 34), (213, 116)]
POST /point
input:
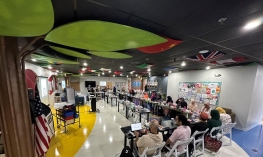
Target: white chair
[(218, 131), (227, 129), (199, 141), (174, 150), (157, 152)]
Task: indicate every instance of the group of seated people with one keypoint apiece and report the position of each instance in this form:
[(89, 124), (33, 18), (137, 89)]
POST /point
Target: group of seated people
[(208, 119)]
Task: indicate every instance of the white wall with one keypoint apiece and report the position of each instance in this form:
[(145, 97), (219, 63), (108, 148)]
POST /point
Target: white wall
[(41, 72), (97, 79), (256, 104), (236, 90)]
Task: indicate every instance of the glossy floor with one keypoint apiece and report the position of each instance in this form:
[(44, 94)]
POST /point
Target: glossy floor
[(106, 138)]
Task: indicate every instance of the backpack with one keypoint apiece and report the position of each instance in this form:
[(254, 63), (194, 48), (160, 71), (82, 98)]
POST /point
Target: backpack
[(126, 152)]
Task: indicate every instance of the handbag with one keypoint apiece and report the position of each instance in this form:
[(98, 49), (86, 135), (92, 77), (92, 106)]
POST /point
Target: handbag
[(212, 144)]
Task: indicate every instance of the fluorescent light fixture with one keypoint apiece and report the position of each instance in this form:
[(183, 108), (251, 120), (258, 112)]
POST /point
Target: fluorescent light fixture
[(203, 51), (183, 64), (149, 69), (85, 64), (253, 24), (207, 68), (170, 72), (34, 60), (121, 67)]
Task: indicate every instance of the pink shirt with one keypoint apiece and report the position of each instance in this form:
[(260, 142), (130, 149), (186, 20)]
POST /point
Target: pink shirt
[(181, 133)]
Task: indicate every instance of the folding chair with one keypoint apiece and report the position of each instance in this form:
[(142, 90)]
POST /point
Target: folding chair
[(199, 141), (174, 150), (157, 152), (227, 129)]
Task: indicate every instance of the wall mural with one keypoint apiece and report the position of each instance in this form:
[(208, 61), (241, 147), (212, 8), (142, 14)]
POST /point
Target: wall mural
[(200, 91)]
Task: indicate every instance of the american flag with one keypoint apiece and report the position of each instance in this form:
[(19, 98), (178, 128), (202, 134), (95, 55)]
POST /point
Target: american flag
[(206, 56), (42, 139)]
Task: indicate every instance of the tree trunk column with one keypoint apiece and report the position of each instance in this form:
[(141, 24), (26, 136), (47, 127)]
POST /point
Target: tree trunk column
[(15, 118)]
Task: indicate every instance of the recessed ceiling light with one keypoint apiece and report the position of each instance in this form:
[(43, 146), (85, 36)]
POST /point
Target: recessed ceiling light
[(49, 67), (102, 73), (183, 64), (121, 74), (170, 71), (85, 64), (148, 69), (207, 68), (110, 71), (81, 74), (34, 60), (98, 74), (57, 71), (127, 76), (203, 51), (83, 69), (121, 67), (136, 75), (113, 75), (252, 24), (164, 75)]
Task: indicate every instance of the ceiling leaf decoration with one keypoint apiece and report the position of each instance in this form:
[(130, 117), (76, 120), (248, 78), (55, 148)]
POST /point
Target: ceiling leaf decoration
[(115, 55), (230, 61), (144, 65), (207, 56), (160, 47), (25, 18), (102, 36), (52, 60), (70, 52)]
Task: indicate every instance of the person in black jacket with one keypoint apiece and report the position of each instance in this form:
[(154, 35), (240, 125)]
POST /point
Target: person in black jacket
[(181, 103)]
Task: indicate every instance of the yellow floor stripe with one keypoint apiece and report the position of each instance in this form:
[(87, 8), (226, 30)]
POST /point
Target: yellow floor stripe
[(68, 144)]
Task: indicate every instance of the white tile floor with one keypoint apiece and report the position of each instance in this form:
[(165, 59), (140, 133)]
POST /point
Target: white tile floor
[(106, 138)]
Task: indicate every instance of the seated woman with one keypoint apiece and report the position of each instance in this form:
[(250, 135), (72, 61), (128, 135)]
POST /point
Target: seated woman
[(159, 98), (206, 108), (169, 101), (145, 95), (181, 103), (153, 96), (224, 117), (214, 121), (192, 106)]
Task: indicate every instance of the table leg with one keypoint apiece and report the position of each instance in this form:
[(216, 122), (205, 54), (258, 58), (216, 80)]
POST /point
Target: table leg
[(118, 106), (116, 101), (125, 140), (107, 99), (111, 101), (126, 112), (140, 117), (148, 116)]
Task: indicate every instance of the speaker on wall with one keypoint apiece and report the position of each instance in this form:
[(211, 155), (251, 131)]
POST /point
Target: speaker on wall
[(30, 93)]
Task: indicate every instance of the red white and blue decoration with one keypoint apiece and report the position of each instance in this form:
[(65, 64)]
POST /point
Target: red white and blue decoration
[(207, 56)]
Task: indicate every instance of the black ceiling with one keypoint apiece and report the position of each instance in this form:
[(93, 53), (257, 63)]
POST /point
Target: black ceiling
[(196, 23)]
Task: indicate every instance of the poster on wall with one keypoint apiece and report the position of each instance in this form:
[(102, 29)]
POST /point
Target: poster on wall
[(200, 91)]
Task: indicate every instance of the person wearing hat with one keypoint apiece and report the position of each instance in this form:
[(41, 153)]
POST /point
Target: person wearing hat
[(206, 108), (200, 126)]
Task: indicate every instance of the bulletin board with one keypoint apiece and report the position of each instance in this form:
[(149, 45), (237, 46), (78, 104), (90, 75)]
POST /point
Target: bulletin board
[(200, 91)]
